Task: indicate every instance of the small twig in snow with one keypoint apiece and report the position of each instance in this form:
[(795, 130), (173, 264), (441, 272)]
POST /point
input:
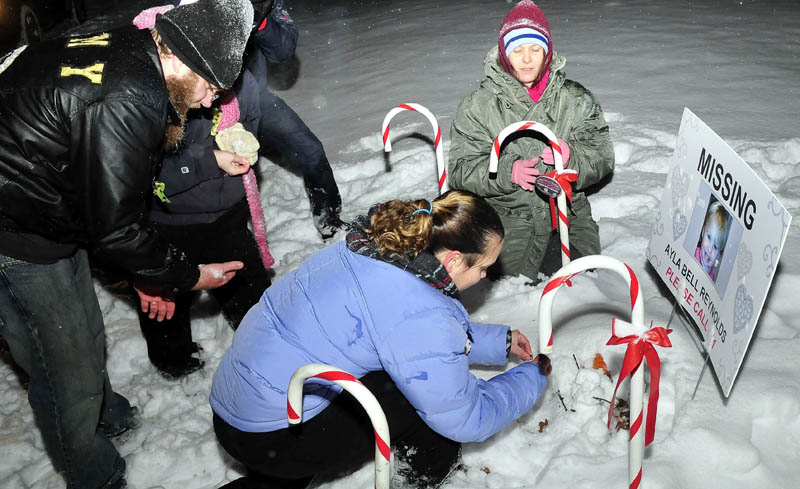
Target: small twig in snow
[(561, 398)]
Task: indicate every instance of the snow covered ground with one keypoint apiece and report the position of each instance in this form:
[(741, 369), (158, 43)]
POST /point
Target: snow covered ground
[(734, 63)]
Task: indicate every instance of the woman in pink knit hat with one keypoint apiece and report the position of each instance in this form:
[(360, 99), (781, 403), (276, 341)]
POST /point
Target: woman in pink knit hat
[(525, 81)]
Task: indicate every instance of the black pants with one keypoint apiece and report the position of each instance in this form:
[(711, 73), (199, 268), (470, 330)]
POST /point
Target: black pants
[(225, 239), (282, 131), (341, 439)]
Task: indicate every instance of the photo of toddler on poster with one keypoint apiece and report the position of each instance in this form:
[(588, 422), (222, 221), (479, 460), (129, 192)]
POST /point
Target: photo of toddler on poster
[(713, 238)]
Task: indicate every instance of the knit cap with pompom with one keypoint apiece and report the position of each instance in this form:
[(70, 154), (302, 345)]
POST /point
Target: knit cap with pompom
[(525, 23)]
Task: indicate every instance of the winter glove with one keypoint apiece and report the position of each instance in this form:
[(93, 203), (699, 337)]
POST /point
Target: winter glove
[(549, 158), (524, 174), (239, 140), (544, 363)]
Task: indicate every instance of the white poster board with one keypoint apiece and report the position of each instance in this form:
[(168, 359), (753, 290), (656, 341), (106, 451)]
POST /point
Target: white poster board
[(716, 242)]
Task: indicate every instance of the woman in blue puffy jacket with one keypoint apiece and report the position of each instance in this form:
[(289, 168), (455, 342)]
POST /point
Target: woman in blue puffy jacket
[(382, 305)]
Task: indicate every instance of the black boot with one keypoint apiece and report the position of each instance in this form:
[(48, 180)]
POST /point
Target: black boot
[(255, 481), (130, 422), (176, 370), (117, 480), (177, 365)]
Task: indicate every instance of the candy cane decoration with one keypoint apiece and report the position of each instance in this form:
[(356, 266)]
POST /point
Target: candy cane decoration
[(563, 220), (387, 143), (640, 340), (364, 397)]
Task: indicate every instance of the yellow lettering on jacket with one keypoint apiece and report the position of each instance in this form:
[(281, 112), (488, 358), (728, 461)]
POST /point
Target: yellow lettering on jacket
[(97, 40), (94, 73)]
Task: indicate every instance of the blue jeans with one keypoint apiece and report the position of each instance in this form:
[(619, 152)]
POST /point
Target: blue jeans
[(50, 317)]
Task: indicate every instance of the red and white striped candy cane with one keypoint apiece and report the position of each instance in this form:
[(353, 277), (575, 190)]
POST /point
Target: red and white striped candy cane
[(563, 220), (387, 143), (364, 397), (637, 325)]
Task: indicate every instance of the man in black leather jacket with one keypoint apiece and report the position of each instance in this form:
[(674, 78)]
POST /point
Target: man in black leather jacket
[(82, 124)]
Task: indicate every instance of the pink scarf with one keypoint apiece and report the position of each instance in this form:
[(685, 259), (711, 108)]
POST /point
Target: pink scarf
[(230, 115), (538, 89)]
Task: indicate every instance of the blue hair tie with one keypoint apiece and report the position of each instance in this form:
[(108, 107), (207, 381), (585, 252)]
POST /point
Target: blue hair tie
[(427, 211)]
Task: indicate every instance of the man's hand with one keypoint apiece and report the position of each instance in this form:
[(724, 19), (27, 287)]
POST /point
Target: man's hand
[(231, 163), (159, 306), (216, 275), (520, 346)]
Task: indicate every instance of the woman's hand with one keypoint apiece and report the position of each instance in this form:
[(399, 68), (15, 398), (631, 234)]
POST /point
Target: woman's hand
[(520, 346), (231, 163), (524, 174), (549, 158)]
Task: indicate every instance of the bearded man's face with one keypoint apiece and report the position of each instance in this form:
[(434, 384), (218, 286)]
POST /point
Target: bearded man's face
[(188, 91)]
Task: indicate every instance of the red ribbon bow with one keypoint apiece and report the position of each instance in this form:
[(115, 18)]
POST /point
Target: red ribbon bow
[(557, 282), (564, 180), (639, 348)]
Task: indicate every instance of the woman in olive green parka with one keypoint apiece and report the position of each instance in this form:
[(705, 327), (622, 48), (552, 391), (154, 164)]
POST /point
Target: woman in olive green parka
[(524, 82)]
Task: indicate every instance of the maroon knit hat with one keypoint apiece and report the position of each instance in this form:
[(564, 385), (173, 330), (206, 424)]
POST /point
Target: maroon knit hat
[(524, 14)]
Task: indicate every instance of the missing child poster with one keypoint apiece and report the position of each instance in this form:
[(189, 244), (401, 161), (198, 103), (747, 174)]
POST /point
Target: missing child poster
[(716, 242)]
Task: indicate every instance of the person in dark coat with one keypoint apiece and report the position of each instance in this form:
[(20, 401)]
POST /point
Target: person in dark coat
[(203, 211), (83, 121), (283, 131)]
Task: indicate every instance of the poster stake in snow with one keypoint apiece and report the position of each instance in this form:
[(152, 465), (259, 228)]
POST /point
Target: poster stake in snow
[(560, 175), (362, 395), (437, 143), (640, 340)]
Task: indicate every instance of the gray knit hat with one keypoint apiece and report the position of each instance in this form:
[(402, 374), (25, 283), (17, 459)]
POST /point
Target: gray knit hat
[(209, 36)]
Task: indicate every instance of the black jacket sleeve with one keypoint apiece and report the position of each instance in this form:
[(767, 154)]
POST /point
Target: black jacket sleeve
[(118, 141), (249, 103), (277, 40)]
